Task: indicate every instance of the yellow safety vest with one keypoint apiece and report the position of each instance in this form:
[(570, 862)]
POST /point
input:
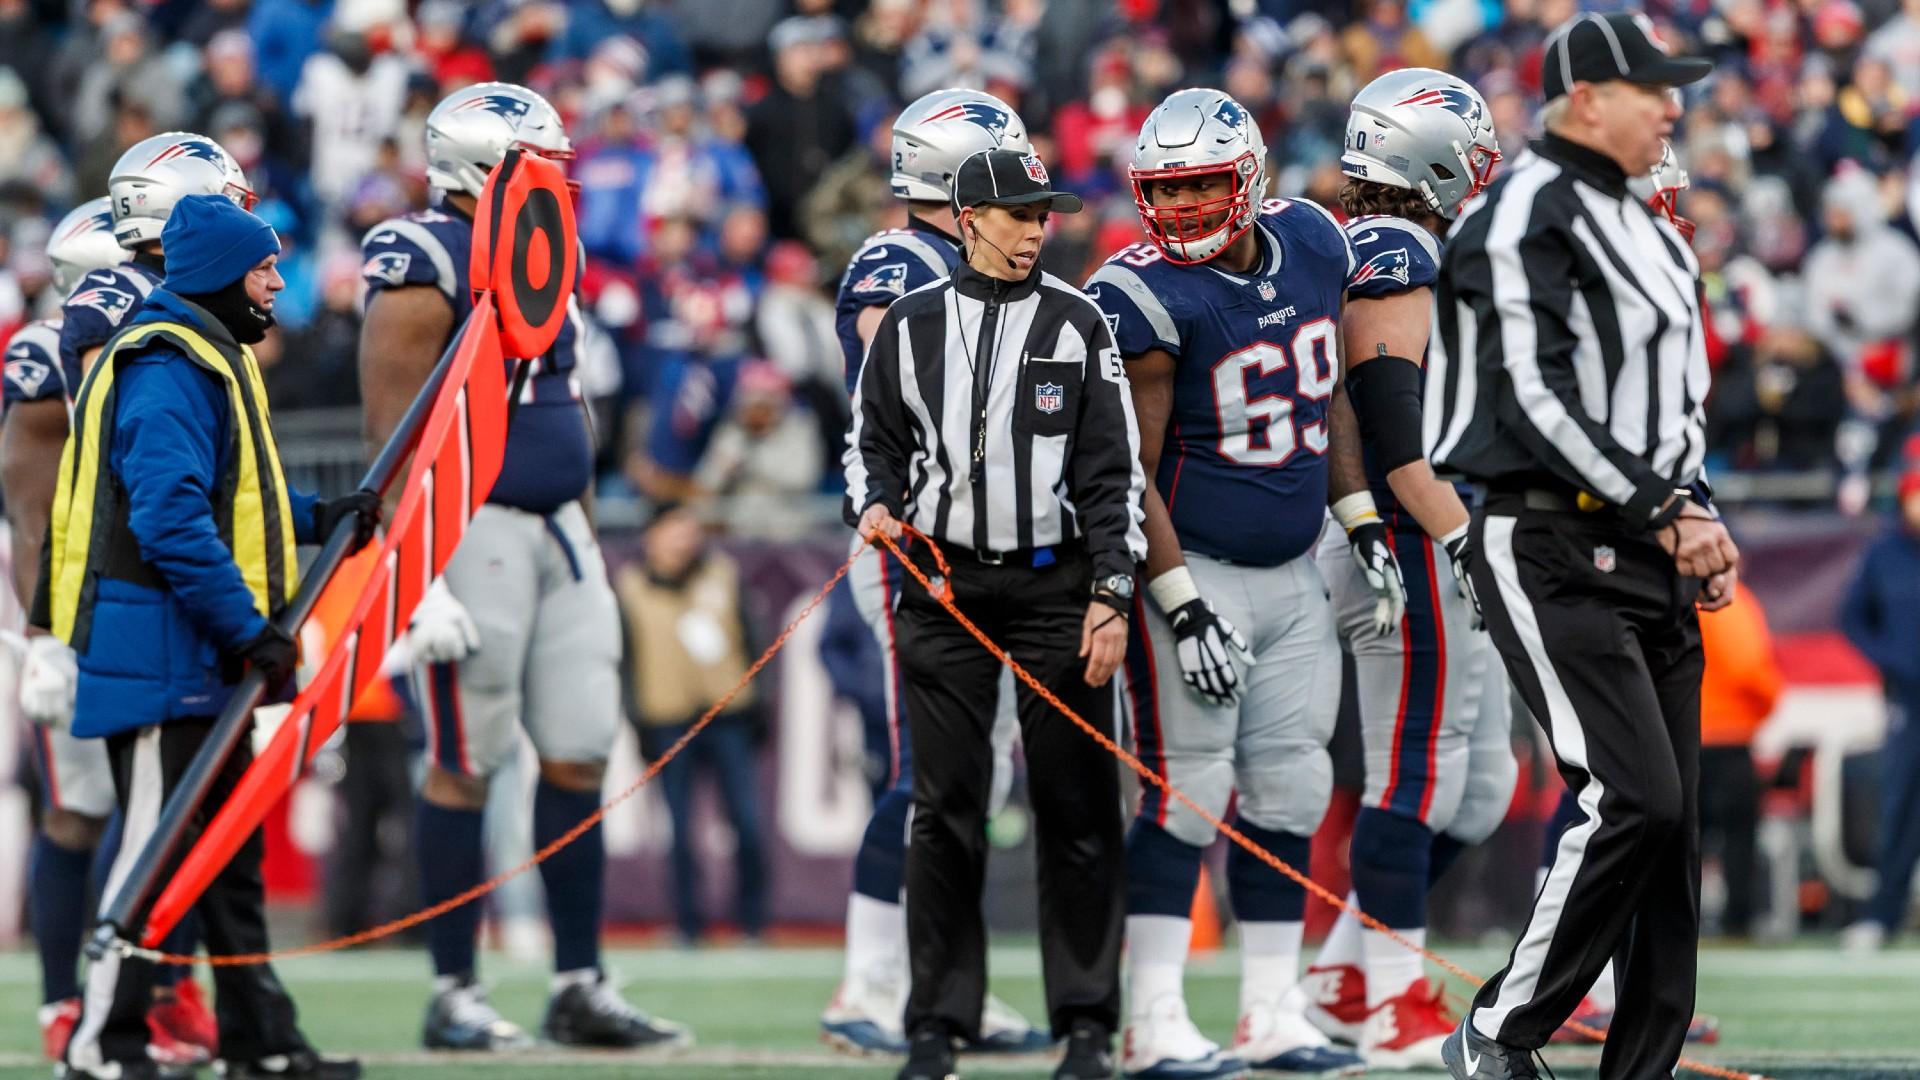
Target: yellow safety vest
[(90, 536)]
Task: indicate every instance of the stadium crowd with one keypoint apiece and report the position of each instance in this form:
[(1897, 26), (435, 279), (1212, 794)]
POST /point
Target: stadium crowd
[(730, 157)]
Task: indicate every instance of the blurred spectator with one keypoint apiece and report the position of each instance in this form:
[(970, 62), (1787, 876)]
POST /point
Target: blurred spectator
[(229, 79), (795, 325), (213, 17), (728, 33), (688, 645), (285, 33), (854, 198), (1881, 617), (1778, 402), (129, 67), (764, 455), (1094, 138), (796, 131), (1897, 45), (26, 49), (452, 59), (1863, 299), (325, 370), (28, 156), (519, 33), (351, 94), (1737, 694), (132, 121), (590, 22)]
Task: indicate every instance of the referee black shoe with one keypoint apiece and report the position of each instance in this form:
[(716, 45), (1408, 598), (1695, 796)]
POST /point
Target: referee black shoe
[(929, 1055), (1089, 1053), (1470, 1055), (298, 1065)]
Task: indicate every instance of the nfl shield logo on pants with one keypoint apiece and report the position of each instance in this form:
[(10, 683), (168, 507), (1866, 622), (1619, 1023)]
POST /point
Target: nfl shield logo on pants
[(1049, 397), (1603, 559)]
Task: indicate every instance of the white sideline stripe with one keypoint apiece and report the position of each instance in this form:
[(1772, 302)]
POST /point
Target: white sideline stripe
[(1570, 743)]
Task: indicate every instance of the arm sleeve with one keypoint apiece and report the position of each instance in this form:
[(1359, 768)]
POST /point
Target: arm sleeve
[(1526, 277), (1104, 473), (165, 451), (877, 446)]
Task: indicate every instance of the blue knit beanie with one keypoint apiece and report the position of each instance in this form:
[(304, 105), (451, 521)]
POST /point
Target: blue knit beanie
[(210, 243)]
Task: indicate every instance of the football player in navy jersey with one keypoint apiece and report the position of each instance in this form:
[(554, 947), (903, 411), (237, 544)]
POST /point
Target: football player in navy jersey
[(521, 630), (1432, 697), (102, 295), (1229, 322), (931, 137)]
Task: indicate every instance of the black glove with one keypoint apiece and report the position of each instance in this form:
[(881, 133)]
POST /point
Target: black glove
[(273, 653), (1460, 551), (363, 506)]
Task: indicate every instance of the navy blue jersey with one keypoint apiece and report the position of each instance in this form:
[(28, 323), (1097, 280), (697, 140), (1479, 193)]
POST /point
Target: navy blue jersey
[(891, 264), (96, 309), (1243, 469), (1394, 256), (549, 460), (34, 371)]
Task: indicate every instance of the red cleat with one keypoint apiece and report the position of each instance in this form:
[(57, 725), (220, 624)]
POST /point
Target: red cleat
[(57, 1020), (1704, 1029), (182, 1023), (1336, 1001), (1405, 1032)]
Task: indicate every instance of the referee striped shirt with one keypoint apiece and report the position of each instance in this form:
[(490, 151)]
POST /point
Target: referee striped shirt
[(1570, 349), (995, 415)]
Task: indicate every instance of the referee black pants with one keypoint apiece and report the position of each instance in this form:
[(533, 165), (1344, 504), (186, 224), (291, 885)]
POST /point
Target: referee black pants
[(1599, 632), (951, 686), (252, 1009)]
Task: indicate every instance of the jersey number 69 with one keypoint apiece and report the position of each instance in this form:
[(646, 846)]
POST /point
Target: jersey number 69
[(1245, 440)]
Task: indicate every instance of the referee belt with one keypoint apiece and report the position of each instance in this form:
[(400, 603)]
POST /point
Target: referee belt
[(1567, 500), (1036, 557)]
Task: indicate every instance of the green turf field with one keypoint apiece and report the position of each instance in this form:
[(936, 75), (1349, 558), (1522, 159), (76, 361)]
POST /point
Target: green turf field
[(1799, 1013)]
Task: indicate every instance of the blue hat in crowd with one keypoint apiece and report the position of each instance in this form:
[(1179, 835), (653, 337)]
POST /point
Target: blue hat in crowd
[(210, 243)]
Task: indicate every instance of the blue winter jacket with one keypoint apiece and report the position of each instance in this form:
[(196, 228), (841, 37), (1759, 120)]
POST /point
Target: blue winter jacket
[(1881, 613), (156, 654)]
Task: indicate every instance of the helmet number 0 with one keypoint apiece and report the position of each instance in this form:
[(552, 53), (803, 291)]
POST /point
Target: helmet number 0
[(1260, 429)]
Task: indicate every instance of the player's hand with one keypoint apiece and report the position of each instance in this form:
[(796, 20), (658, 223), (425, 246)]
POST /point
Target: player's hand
[(1103, 641), (1698, 542), (48, 678), (1460, 552), (878, 519), (442, 631), (1375, 556), (1212, 653), (1717, 592)]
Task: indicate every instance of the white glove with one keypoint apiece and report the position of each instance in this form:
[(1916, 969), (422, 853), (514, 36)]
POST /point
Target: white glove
[(442, 631), (1375, 556), (47, 682), (1211, 651)]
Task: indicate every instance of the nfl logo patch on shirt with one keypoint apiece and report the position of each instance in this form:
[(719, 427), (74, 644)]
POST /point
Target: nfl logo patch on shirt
[(1049, 397), (1603, 559), (1265, 289)]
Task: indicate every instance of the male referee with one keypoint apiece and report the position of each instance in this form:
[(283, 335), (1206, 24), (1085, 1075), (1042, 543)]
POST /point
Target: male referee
[(1568, 378), (994, 417)]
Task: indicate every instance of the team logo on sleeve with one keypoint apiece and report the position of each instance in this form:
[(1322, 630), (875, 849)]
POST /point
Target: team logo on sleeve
[(112, 303), (28, 374), (1049, 397), (1395, 265), (388, 266), (889, 278)]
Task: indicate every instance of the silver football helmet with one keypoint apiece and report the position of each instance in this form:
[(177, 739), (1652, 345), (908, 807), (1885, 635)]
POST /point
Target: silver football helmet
[(1425, 130), (473, 128), (158, 172), (1194, 133), (1661, 189), (82, 242), (932, 136)]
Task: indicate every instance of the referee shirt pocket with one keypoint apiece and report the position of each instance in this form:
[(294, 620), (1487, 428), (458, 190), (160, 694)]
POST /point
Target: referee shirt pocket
[(1047, 396)]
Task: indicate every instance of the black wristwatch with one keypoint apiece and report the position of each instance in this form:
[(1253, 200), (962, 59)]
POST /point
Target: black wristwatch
[(1115, 590)]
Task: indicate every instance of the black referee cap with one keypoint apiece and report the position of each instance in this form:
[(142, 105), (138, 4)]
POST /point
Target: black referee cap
[(1008, 178), (1599, 48)]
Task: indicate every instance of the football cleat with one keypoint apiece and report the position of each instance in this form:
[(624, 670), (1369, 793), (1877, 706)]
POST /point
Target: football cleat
[(1089, 1053), (1274, 1036), (1163, 1044), (1405, 1031), (1704, 1029), (57, 1020), (461, 1018), (1336, 1000), (1004, 1031), (1470, 1055), (594, 1014), (864, 1018), (299, 1065), (183, 1018)]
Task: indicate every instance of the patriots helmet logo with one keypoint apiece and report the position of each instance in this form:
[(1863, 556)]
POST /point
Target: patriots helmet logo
[(889, 278), (1451, 98), (1231, 114), (204, 149), (503, 105), (1395, 265), (100, 222), (28, 374), (113, 303), (994, 120)]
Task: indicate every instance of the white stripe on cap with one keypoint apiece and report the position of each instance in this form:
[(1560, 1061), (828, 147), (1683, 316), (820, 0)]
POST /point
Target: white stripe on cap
[(1613, 42)]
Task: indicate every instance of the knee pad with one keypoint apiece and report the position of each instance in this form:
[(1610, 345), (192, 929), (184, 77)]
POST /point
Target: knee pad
[(1291, 797), (1208, 782), (1484, 803)]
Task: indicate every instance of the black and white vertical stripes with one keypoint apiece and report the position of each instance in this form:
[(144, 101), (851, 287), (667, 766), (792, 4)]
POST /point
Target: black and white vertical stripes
[(1570, 348)]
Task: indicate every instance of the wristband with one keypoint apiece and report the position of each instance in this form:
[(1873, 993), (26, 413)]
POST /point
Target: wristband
[(1356, 510), (1173, 589)]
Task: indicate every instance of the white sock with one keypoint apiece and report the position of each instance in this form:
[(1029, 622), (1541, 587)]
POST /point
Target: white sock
[(1391, 966), (1602, 993), (579, 976), (1343, 941), (1156, 959), (1269, 960), (876, 939)]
